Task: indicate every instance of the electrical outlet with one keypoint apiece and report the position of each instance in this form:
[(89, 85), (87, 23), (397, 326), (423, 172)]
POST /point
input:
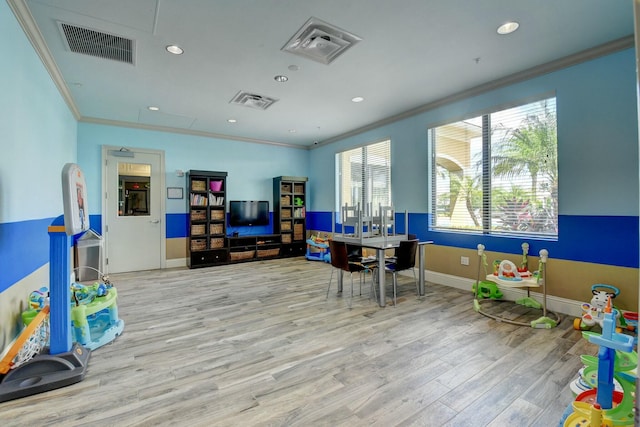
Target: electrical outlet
[(464, 260)]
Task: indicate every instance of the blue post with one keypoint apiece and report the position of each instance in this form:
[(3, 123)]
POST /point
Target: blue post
[(59, 287), (609, 342)]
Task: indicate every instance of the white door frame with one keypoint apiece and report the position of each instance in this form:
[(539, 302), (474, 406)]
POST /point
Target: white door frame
[(163, 208)]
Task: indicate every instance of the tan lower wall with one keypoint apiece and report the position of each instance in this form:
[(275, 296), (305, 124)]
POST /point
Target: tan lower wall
[(177, 248), (15, 300), (565, 279)]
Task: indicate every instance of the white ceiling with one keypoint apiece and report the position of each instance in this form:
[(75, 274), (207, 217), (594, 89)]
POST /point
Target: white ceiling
[(413, 54)]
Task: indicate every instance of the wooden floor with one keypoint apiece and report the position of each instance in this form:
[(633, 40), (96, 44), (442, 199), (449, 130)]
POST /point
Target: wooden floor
[(257, 344)]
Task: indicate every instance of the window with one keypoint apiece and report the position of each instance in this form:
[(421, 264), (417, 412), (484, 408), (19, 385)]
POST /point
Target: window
[(497, 173), (363, 176)]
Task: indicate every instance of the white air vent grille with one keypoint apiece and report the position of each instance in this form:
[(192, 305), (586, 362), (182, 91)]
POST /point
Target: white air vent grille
[(252, 100), (98, 44), (320, 41)]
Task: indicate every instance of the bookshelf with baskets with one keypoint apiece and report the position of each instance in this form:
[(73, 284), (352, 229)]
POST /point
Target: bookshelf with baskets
[(289, 213), (254, 247), (206, 242)]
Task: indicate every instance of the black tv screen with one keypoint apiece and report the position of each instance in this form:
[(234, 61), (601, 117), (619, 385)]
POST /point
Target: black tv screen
[(248, 212)]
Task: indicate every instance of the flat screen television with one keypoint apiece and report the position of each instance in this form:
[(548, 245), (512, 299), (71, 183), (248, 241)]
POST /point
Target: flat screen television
[(248, 212)]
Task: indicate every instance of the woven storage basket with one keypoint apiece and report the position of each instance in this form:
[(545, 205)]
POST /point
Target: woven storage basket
[(198, 185), (197, 229), (198, 215), (285, 226), (198, 245), (268, 252), (285, 188), (286, 238), (285, 213), (217, 215), (216, 243), (236, 256), (216, 229), (298, 230), (298, 188), (285, 200)]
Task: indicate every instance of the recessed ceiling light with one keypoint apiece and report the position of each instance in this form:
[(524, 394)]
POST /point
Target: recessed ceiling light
[(232, 120), (292, 131), (293, 67), (508, 27), (152, 108), (175, 49), (357, 99), (281, 78)]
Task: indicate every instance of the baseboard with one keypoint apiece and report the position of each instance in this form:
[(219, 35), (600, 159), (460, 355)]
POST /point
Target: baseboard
[(176, 262), (556, 304)]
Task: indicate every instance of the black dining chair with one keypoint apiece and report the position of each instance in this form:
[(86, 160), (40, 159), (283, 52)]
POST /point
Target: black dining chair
[(405, 259), (340, 260)]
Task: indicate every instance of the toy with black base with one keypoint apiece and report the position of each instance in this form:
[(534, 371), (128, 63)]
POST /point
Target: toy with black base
[(65, 364)]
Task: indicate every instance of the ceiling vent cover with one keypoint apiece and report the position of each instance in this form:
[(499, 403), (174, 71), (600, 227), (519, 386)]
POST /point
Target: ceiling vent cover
[(252, 100), (320, 41), (98, 44)]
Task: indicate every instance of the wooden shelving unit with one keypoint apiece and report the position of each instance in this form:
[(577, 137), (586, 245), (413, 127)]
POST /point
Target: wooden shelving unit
[(207, 228), (289, 213), (251, 248)]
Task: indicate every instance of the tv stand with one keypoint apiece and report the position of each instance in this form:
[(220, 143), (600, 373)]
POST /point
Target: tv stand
[(254, 247)]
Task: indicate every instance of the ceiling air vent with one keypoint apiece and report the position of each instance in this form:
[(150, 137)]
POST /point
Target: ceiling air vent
[(96, 43), (252, 100), (320, 41)]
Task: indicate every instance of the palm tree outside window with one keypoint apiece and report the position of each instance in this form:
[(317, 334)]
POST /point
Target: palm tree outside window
[(497, 173)]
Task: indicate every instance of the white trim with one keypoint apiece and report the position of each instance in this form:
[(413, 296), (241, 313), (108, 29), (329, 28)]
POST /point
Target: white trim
[(539, 70), (176, 263), (556, 304), (28, 24), (163, 190)]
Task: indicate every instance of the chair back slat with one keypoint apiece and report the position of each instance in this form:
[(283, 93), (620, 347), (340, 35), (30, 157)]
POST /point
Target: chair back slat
[(339, 257), (406, 255)]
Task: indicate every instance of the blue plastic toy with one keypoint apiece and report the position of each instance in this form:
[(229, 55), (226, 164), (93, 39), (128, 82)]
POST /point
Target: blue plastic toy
[(317, 250), (94, 313)]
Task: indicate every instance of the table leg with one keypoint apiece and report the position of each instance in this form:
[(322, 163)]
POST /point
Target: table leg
[(339, 281), (381, 276), (421, 270)]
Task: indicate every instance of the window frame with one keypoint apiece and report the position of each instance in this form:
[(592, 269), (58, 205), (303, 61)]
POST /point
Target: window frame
[(366, 192), (486, 226)]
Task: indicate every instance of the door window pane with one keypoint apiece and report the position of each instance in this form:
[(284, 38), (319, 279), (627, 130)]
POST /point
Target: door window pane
[(134, 184)]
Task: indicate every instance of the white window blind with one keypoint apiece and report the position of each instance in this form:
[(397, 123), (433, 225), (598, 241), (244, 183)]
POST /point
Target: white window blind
[(363, 176), (498, 172)]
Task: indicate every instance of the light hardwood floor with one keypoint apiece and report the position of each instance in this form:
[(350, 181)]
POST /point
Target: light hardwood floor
[(257, 344)]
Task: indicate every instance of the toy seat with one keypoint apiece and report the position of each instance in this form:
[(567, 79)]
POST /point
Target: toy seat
[(96, 323)]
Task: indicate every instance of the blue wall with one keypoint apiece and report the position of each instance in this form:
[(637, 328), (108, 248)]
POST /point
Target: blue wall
[(37, 137), (250, 167), (597, 162)]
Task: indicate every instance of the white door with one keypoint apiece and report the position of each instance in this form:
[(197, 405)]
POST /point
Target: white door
[(133, 210)]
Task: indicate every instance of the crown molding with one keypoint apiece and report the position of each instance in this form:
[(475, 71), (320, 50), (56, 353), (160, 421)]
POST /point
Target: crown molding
[(568, 61), (168, 129), (28, 24)]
